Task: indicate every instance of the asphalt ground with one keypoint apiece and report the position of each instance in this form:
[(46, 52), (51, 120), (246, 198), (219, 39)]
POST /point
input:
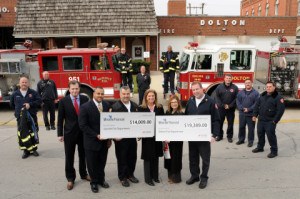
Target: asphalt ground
[(235, 171)]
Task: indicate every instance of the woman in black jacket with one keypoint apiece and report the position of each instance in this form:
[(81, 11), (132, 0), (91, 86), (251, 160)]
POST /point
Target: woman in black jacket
[(174, 165), (151, 150)]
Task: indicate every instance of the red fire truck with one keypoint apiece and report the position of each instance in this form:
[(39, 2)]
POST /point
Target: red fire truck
[(281, 67), (92, 67), (209, 63), (13, 64)]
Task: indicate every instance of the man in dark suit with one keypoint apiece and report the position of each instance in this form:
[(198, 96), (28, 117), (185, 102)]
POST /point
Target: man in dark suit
[(96, 149), (68, 132), (126, 148)]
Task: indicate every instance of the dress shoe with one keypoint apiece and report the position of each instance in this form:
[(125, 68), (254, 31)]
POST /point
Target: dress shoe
[(133, 179), (203, 183), (104, 185), (94, 188), (25, 154), (229, 140), (87, 178), (150, 183), (53, 128), (156, 180), (35, 153), (48, 128), (272, 155), (125, 183), (256, 150), (192, 181), (70, 185), (250, 144), (240, 142), (218, 138)]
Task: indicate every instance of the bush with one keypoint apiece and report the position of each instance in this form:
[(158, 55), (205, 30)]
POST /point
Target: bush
[(136, 64)]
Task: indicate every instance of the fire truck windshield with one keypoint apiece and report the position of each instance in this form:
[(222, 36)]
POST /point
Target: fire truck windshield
[(184, 61)]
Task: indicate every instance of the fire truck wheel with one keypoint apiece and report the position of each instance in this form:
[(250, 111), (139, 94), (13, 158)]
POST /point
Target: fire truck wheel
[(87, 92)]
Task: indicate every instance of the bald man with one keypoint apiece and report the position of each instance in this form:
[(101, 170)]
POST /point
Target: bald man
[(47, 90)]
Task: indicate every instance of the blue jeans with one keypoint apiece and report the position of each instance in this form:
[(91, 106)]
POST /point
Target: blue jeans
[(246, 121)]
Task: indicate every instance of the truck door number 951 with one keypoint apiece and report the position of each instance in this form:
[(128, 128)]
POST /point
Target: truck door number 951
[(74, 78)]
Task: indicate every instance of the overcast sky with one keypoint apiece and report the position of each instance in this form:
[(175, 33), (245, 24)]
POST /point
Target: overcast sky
[(211, 7)]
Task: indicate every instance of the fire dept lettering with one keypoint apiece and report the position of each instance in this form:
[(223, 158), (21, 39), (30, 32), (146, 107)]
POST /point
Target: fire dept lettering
[(105, 79)]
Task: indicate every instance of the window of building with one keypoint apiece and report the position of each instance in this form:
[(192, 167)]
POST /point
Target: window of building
[(267, 9), (72, 63), (252, 13), (240, 59), (259, 10), (276, 7), (99, 62), (247, 13), (184, 61), (202, 62), (50, 63)]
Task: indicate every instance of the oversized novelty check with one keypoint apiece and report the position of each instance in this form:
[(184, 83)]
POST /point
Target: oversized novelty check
[(183, 128), (126, 125)]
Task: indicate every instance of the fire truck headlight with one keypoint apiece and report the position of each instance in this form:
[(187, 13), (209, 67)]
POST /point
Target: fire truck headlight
[(184, 85), (278, 85)]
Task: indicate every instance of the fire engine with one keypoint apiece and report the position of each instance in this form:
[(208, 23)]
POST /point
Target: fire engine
[(92, 67), (13, 64), (282, 67), (209, 63)]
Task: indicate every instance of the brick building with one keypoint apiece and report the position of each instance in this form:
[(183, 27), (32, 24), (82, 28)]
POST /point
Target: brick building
[(54, 24)]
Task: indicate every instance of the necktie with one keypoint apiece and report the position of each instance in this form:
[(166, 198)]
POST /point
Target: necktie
[(76, 106), (100, 107)]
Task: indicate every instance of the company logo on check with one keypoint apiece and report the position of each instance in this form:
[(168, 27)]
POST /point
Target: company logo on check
[(165, 121), (111, 118)]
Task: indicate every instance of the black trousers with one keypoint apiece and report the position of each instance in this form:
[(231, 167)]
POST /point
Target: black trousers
[(202, 149), (141, 96), (169, 77), (49, 107), (151, 169), (268, 128), (96, 162), (126, 153), (229, 114), (70, 142), (127, 80), (246, 120)]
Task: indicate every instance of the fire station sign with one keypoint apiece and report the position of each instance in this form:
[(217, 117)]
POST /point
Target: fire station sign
[(223, 22)]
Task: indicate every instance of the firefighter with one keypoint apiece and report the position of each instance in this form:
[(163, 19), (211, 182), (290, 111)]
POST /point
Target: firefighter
[(226, 94), (46, 88), (168, 65), (269, 110), (125, 66), (29, 99)]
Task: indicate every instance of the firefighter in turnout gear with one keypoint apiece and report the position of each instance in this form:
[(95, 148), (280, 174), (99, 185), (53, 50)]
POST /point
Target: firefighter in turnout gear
[(125, 67), (169, 64)]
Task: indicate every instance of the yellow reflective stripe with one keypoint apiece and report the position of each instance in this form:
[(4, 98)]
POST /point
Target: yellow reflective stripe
[(30, 148), (123, 71), (166, 71), (171, 68), (177, 67), (26, 139), (129, 60), (172, 60), (162, 60)]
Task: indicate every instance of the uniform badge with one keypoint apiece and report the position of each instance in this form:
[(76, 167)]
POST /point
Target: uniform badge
[(231, 90), (282, 100), (216, 106), (30, 95)]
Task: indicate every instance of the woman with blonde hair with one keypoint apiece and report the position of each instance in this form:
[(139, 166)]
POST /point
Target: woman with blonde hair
[(151, 150), (174, 165)]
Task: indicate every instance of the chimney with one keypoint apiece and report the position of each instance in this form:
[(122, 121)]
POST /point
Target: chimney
[(177, 8)]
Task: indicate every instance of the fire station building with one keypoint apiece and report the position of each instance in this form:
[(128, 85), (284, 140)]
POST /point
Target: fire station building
[(134, 25)]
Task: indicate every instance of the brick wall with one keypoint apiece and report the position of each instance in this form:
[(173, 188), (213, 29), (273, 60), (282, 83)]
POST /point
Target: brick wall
[(177, 7), (285, 7), (7, 13), (259, 26)]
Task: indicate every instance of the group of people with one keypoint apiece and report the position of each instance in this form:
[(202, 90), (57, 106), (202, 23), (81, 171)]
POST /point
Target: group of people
[(79, 124)]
